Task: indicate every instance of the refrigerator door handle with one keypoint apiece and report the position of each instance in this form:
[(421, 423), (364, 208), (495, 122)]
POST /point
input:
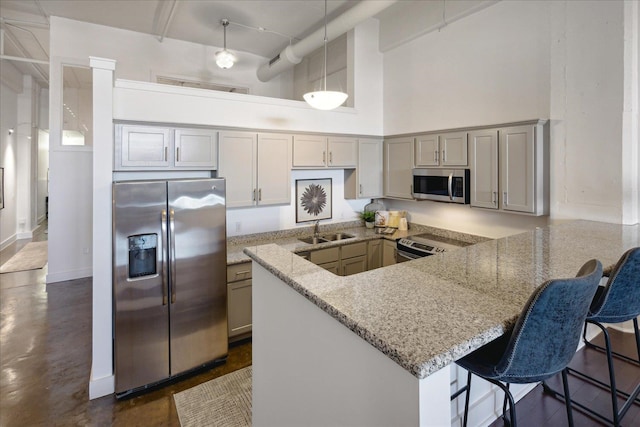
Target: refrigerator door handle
[(165, 279), (172, 254)]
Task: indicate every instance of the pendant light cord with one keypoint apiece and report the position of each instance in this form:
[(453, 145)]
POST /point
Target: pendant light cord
[(325, 45)]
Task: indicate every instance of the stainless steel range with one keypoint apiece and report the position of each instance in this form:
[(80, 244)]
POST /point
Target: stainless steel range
[(421, 245)]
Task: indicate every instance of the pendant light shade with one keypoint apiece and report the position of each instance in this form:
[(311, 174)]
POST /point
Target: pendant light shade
[(325, 99), (224, 58)]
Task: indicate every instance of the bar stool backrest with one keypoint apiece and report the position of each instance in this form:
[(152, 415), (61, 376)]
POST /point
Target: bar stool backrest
[(547, 333), (619, 300)]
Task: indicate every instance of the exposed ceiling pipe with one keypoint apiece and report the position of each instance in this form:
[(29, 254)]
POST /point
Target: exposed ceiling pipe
[(169, 20), (293, 54)]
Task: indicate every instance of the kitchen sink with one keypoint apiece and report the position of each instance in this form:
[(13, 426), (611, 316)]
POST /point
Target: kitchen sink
[(336, 236), (313, 240), (326, 238)]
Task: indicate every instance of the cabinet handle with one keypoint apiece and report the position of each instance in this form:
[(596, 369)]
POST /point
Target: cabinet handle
[(444, 156), (330, 157), (177, 154), (243, 272), (254, 194), (494, 198), (435, 156), (166, 151), (259, 194), (504, 199), (360, 188), (324, 157)]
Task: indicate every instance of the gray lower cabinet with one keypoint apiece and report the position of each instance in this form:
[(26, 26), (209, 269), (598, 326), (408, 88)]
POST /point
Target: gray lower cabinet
[(239, 300), (388, 253), (374, 254), (353, 258)]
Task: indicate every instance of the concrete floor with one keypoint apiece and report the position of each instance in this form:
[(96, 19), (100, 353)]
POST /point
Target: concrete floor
[(45, 358)]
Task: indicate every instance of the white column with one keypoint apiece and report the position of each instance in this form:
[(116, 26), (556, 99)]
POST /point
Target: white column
[(101, 382), (631, 115), (23, 156)]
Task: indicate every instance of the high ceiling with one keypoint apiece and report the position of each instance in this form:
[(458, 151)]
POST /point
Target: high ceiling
[(263, 27)]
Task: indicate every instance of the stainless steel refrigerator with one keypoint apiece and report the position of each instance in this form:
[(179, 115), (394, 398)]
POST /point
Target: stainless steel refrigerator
[(169, 280)]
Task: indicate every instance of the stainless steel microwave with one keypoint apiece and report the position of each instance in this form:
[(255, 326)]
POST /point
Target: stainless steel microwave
[(442, 185)]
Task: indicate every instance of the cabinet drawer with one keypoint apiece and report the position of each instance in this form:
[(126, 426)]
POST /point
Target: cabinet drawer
[(237, 272), (323, 256), (354, 249)]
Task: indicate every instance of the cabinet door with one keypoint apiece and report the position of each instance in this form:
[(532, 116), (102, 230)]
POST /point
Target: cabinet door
[(388, 253), (238, 166), (484, 168), (324, 256), (333, 267), (398, 165), (374, 254), (343, 152), (309, 151), (517, 168), (369, 168), (427, 150), (145, 147), (453, 147), (239, 307), (196, 148), (353, 265), (274, 169)]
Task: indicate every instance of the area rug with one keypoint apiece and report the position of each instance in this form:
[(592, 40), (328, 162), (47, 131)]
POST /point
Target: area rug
[(31, 257), (221, 402)]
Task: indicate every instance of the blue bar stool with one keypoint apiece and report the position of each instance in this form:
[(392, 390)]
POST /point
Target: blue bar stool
[(543, 341), (616, 302)]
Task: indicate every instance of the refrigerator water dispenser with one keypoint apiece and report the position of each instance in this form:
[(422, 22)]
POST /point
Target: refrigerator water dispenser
[(142, 255)]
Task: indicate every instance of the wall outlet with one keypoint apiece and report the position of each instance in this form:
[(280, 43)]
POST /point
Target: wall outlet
[(238, 226), (86, 251)]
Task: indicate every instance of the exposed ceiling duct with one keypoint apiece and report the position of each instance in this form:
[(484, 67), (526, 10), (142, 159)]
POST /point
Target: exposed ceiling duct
[(293, 54)]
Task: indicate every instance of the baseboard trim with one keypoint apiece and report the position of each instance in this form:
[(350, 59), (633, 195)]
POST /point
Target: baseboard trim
[(69, 275), (25, 235), (99, 387), (9, 240)]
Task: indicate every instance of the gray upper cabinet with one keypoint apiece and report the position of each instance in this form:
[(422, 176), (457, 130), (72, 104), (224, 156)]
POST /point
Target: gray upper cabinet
[(427, 150), (483, 145), (196, 148), (257, 168), (453, 146), (140, 147), (398, 168), (343, 152), (445, 149), (312, 151), (369, 168), (523, 171), (508, 169)]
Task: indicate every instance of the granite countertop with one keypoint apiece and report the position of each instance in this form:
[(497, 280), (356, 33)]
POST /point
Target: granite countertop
[(427, 313), (289, 239)]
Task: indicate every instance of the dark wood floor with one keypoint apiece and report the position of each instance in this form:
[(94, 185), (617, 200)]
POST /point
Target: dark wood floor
[(538, 409), (45, 363)]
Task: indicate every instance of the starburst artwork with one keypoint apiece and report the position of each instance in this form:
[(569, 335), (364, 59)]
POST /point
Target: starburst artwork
[(313, 199)]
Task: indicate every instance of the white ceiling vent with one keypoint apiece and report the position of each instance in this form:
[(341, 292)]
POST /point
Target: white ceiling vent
[(200, 85)]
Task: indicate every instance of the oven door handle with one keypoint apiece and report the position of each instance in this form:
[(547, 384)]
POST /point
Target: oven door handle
[(450, 186)]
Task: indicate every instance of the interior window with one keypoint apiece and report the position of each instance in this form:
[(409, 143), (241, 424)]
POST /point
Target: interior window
[(77, 106)]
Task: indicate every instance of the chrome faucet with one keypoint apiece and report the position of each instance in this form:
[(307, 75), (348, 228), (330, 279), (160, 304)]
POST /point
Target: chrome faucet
[(316, 228)]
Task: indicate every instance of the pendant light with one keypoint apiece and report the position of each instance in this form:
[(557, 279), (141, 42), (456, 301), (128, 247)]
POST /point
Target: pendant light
[(325, 99), (224, 58)]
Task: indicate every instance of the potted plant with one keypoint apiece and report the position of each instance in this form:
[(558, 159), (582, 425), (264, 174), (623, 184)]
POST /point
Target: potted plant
[(368, 217)]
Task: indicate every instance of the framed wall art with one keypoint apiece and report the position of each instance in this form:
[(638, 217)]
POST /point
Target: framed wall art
[(313, 199)]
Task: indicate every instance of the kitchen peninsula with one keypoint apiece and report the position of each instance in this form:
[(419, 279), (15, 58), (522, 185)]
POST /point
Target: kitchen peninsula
[(375, 348)]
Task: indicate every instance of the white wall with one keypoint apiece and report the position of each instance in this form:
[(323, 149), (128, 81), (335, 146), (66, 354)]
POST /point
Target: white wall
[(8, 160), (141, 57), (271, 218), (587, 71), (518, 61)]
